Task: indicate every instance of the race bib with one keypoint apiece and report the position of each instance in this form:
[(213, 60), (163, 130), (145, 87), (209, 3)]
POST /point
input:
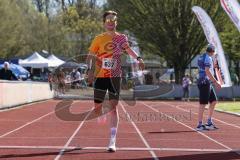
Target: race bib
[(108, 63)]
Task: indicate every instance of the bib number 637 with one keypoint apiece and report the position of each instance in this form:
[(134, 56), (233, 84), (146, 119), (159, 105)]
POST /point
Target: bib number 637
[(108, 63)]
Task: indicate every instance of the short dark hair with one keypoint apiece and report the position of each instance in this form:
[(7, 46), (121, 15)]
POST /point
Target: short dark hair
[(106, 13), (210, 48)]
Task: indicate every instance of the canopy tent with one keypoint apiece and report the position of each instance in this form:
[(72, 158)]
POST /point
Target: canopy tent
[(35, 61), (73, 65), (54, 61)]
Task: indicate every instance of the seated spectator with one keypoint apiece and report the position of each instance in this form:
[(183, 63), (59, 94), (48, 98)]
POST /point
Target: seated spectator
[(6, 73)]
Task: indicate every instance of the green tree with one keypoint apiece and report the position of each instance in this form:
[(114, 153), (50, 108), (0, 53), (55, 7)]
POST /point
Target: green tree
[(23, 29), (10, 28), (59, 26), (81, 23), (230, 40), (167, 28)]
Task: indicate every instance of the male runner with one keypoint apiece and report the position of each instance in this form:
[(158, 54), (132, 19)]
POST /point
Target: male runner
[(105, 56)]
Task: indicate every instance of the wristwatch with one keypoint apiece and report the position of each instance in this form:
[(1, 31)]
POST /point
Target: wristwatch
[(138, 58)]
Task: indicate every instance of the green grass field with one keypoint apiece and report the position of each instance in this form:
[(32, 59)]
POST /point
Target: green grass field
[(229, 106)]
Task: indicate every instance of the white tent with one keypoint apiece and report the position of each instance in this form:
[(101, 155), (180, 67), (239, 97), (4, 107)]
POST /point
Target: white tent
[(34, 61), (54, 61)]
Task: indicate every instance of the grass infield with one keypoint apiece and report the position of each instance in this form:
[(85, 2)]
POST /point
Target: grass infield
[(229, 106)]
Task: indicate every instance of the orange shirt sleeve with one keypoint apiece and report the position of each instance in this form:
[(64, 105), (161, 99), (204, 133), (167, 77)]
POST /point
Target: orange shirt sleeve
[(94, 47)]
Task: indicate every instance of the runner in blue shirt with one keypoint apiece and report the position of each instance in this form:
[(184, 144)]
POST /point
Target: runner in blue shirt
[(206, 90)]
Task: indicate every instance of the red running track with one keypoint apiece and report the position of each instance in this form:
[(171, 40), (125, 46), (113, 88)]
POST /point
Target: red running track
[(148, 130)]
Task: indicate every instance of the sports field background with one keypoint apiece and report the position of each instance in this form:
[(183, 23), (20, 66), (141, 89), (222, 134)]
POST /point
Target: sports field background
[(229, 106)]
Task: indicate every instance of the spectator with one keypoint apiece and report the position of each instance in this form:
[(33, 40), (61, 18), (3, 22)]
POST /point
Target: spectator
[(77, 79), (50, 80), (149, 78), (83, 80), (234, 78), (157, 76), (61, 81), (124, 80), (55, 83), (72, 74), (6, 73), (185, 85)]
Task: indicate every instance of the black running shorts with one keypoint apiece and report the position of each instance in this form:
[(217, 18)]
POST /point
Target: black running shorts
[(102, 85), (206, 93)]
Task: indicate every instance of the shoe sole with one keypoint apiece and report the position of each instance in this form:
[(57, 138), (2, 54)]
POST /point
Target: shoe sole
[(111, 150), (209, 128), (202, 129)]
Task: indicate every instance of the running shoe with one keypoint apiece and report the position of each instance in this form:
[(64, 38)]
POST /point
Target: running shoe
[(211, 126), (201, 128), (112, 146)]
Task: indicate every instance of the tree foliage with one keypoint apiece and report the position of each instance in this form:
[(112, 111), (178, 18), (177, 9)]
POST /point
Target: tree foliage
[(58, 26), (167, 28), (230, 40), (81, 23), (11, 31)]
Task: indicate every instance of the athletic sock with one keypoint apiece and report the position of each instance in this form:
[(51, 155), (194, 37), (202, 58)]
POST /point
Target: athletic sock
[(209, 121), (200, 123), (113, 132)]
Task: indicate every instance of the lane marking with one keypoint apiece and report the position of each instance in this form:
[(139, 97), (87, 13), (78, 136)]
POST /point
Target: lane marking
[(221, 121), (230, 124), (63, 149), (21, 106), (119, 148), (28, 123), (31, 122), (140, 134), (204, 135)]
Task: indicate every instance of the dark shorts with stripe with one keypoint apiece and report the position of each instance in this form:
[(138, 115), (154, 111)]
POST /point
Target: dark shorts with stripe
[(206, 92), (102, 85)]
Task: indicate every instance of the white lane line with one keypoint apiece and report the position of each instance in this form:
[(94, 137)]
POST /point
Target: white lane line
[(31, 122), (230, 124), (140, 134), (161, 149), (71, 138), (33, 147), (204, 135), (26, 124), (22, 105), (118, 148)]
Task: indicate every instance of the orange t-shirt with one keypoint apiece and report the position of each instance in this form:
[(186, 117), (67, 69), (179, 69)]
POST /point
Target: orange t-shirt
[(108, 50)]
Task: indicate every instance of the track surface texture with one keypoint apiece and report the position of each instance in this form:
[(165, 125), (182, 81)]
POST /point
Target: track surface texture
[(163, 130)]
